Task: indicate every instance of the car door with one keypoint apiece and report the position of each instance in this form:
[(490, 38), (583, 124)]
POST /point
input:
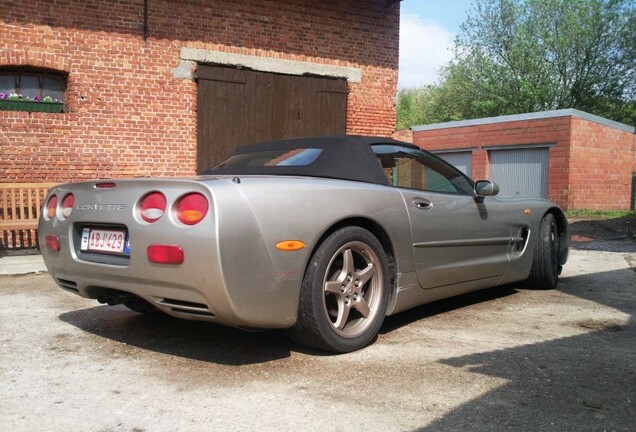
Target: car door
[(456, 237)]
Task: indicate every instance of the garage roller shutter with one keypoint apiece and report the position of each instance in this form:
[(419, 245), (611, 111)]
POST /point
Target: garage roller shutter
[(520, 172), (463, 160)]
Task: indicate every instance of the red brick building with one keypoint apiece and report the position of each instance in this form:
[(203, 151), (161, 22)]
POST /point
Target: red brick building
[(578, 160), (150, 87)]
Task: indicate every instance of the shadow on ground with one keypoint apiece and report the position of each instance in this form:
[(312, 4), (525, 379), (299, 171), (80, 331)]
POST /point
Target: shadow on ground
[(585, 382), (225, 345), (197, 340), (410, 316)]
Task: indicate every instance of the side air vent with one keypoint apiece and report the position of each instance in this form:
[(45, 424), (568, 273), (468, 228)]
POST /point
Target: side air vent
[(522, 240), (186, 307), (67, 284)]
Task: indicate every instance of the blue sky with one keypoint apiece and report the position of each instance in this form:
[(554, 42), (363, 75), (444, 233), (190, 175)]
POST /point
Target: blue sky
[(427, 31)]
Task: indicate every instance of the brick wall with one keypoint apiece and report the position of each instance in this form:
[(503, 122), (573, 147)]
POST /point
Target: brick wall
[(603, 160), (127, 113), (539, 131), (590, 165)]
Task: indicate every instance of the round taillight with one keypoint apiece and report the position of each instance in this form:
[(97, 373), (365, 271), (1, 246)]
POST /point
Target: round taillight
[(152, 207), (67, 205), (192, 208), (51, 206)]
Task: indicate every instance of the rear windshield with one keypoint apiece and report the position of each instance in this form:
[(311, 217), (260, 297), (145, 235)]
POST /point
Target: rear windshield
[(272, 158)]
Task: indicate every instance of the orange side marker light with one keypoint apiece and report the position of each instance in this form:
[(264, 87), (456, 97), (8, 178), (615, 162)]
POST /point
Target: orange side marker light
[(290, 245)]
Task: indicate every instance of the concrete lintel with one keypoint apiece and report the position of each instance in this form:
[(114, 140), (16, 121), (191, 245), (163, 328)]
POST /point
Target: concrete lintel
[(454, 150), (268, 64), (520, 146), (529, 116)]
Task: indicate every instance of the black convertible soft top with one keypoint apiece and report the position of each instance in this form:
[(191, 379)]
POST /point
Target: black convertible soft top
[(347, 157)]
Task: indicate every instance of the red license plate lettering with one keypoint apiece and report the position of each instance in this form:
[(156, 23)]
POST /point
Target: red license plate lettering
[(105, 240)]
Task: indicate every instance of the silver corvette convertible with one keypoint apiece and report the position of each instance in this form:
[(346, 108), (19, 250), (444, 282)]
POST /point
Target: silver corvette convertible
[(322, 236)]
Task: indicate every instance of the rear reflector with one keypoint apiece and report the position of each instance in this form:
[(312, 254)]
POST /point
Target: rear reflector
[(53, 243), (165, 254)]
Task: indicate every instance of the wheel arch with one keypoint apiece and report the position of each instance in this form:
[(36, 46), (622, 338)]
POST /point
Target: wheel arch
[(374, 228)]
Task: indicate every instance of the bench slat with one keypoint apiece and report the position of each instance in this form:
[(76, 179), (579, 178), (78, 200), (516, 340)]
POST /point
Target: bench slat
[(21, 205)]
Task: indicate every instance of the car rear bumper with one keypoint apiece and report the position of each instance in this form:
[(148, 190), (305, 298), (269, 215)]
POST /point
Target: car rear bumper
[(238, 287), (190, 291)]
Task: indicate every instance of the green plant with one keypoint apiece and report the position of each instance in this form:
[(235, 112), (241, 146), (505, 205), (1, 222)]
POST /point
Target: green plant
[(19, 97), (601, 214)]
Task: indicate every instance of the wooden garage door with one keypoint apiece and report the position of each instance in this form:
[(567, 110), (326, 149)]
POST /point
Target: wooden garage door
[(237, 107)]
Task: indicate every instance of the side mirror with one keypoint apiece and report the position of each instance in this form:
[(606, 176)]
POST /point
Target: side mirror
[(484, 188)]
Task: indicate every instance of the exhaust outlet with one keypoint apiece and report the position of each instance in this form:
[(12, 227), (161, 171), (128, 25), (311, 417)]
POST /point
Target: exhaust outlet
[(114, 299)]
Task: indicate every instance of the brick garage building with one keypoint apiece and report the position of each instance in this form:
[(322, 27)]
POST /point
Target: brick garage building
[(578, 160), (135, 74)]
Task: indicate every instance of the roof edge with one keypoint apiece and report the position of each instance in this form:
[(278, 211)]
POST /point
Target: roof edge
[(528, 116)]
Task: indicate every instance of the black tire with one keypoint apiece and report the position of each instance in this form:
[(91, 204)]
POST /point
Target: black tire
[(140, 305), (344, 294), (544, 273)]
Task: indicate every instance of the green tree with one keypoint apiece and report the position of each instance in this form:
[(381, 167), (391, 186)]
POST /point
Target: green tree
[(515, 56), (415, 106)]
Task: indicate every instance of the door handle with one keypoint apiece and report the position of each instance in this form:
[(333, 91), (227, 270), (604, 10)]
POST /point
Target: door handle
[(422, 203)]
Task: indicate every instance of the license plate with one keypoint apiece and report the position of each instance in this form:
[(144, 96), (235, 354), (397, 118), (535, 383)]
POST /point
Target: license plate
[(105, 240)]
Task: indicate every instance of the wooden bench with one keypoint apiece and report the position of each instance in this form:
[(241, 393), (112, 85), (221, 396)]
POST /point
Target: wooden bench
[(20, 206)]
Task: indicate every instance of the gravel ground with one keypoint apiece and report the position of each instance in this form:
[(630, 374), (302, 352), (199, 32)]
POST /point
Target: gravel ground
[(501, 359)]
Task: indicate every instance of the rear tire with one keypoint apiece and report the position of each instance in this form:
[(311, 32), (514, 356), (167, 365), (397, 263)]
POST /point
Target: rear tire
[(544, 273), (344, 294)]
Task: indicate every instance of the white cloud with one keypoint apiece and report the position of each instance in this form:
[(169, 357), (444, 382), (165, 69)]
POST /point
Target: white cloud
[(424, 47)]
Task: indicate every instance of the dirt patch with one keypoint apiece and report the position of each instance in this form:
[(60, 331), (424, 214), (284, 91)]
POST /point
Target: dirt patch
[(605, 229), (614, 235), (578, 238), (600, 324)]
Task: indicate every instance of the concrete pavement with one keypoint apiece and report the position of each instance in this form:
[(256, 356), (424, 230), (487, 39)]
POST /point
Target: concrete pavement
[(505, 359), (21, 265)]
